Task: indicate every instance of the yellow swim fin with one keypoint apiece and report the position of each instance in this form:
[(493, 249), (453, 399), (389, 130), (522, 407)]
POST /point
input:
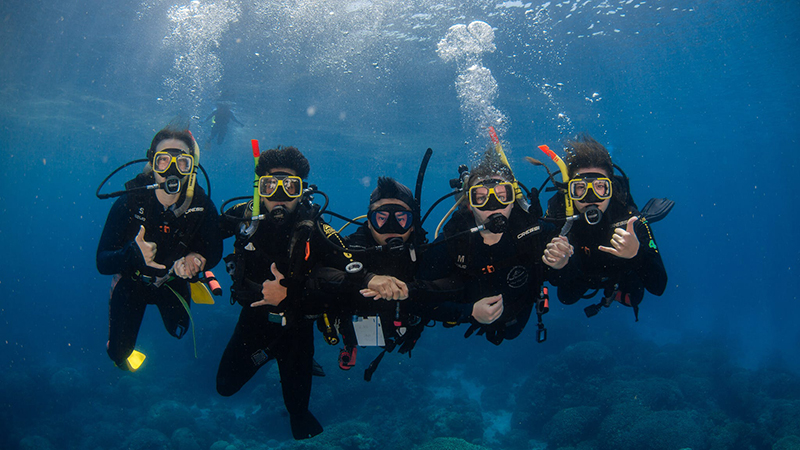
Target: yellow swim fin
[(200, 293), (135, 360)]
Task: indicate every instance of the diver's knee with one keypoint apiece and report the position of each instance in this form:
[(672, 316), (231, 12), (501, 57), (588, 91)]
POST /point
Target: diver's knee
[(227, 385), (117, 354), (225, 388)]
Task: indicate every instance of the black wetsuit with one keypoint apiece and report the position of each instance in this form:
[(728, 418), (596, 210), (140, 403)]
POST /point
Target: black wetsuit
[(590, 268), (512, 267), (259, 334), (400, 320), (196, 230)]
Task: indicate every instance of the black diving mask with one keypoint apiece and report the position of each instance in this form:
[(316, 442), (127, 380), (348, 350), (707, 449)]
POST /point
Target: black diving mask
[(391, 219)]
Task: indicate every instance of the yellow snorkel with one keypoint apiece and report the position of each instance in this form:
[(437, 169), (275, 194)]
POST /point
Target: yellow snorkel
[(564, 177), (192, 181), (499, 149), (193, 177), (256, 196)]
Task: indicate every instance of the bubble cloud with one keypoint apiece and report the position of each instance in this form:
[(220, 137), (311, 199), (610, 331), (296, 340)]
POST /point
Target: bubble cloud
[(475, 85), (196, 30), (467, 42)]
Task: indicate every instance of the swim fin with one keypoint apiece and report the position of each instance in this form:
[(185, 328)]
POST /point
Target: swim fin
[(135, 361), (304, 425), (656, 209), (200, 293), (316, 369)]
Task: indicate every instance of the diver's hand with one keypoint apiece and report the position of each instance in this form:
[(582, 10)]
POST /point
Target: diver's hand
[(179, 269), (194, 264), (272, 290), (488, 309), (625, 243), (148, 250), (385, 287), (557, 252)]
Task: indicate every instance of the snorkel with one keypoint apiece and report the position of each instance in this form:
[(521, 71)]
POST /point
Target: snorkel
[(419, 233), (569, 207), (192, 179), (499, 149), (255, 216), (256, 197), (564, 177)]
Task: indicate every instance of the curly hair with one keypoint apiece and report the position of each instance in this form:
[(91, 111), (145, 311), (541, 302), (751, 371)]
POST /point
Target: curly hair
[(288, 157)]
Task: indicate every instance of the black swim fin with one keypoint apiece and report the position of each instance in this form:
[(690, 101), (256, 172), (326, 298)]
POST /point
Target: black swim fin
[(304, 425), (316, 369), (657, 208)]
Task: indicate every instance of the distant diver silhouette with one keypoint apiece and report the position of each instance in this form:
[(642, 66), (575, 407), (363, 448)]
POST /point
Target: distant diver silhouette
[(220, 118)]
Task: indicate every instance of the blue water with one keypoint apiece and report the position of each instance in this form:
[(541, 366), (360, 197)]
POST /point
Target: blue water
[(696, 100)]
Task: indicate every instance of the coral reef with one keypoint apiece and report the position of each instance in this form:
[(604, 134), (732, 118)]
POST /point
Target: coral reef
[(449, 444), (581, 395), (790, 442), (146, 439), (570, 426)]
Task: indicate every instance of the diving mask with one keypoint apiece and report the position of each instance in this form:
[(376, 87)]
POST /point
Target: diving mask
[(172, 157), (480, 194), (291, 187), (391, 218), (599, 184)]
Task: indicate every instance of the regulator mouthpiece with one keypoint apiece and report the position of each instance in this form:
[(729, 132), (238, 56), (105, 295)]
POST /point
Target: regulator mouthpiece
[(395, 245), (172, 185), (593, 215), (497, 223), (279, 214)]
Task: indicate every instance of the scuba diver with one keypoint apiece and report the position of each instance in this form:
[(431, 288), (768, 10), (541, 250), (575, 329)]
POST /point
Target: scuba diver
[(615, 247), (497, 249), (161, 232), (374, 305), (220, 118), (273, 255)]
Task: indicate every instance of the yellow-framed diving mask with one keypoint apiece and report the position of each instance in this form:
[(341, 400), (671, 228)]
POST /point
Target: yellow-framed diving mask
[(480, 193), (598, 183), (164, 159), (291, 185)]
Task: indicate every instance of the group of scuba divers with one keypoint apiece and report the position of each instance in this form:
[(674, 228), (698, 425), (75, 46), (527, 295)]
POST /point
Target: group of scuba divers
[(383, 284)]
